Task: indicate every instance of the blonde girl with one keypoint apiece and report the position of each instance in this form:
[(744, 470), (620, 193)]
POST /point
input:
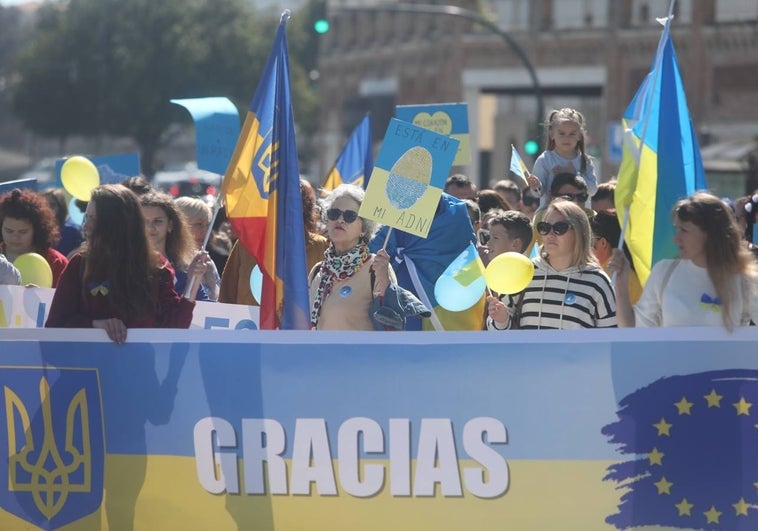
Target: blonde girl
[(565, 153)]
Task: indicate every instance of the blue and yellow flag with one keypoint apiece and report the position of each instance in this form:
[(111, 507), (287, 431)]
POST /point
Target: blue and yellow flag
[(262, 193), (355, 162), (689, 448), (519, 168), (661, 161)]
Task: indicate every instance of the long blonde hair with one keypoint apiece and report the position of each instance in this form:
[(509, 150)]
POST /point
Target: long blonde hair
[(567, 114), (577, 218), (725, 256)]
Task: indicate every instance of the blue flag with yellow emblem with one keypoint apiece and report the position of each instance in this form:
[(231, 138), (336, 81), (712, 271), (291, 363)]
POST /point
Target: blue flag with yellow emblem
[(262, 194)]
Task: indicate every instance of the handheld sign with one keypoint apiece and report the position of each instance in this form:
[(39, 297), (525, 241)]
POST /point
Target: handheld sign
[(408, 178), (450, 119)]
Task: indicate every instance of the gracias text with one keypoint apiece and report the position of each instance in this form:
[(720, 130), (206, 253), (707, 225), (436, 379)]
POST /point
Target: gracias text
[(436, 460)]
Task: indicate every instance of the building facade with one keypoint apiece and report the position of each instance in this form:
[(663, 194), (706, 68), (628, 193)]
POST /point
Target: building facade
[(587, 54)]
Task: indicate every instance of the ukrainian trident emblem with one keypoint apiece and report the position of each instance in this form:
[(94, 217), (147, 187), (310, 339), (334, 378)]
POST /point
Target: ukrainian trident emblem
[(54, 444)]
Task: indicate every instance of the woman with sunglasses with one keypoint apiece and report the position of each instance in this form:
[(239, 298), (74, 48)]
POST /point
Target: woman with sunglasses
[(714, 282), (569, 289), (344, 284)]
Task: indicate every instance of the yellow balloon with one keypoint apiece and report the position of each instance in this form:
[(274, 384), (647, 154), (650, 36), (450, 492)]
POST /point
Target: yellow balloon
[(34, 269), (79, 176), (509, 273)]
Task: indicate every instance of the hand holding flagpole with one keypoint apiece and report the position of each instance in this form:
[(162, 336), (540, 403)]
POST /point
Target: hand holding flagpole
[(519, 168)]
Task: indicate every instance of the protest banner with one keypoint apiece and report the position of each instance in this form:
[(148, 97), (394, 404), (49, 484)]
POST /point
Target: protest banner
[(449, 119), (590, 429)]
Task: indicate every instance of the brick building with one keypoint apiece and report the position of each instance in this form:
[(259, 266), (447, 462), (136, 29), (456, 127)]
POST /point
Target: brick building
[(587, 54)]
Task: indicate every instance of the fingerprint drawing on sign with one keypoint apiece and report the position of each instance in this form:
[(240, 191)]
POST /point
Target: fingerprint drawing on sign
[(409, 178)]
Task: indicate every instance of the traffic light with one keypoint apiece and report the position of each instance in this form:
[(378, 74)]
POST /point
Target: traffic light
[(321, 26), (317, 12), (531, 147)]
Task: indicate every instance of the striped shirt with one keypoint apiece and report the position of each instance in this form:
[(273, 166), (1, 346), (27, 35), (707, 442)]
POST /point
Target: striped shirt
[(569, 299)]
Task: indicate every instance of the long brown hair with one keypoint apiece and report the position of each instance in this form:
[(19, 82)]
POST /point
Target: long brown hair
[(117, 249), (725, 256), (179, 244)]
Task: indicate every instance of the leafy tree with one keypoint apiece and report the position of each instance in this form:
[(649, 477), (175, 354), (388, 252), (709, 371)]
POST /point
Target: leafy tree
[(107, 66)]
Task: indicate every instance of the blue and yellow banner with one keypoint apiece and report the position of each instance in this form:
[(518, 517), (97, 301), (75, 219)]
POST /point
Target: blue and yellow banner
[(449, 119), (177, 430), (661, 161), (262, 194), (408, 177), (355, 161)]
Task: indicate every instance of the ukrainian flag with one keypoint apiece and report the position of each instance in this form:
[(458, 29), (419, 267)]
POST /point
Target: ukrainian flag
[(518, 168), (419, 263), (356, 161), (661, 161), (262, 193)]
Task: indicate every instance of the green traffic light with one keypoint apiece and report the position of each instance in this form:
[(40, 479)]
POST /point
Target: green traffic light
[(531, 147), (321, 26)]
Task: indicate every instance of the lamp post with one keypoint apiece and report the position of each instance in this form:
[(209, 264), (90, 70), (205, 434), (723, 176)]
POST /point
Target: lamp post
[(455, 11)]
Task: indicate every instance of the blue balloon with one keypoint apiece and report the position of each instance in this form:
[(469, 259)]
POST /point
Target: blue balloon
[(455, 297), (256, 282), (462, 283), (76, 215)]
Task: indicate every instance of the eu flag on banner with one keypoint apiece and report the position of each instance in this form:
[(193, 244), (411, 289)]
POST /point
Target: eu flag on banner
[(262, 193), (661, 161), (692, 445), (355, 162)]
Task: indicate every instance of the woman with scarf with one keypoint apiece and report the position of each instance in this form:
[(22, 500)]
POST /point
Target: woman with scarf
[(569, 289), (344, 284)]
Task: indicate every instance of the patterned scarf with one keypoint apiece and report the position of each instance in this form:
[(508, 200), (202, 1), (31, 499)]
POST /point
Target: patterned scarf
[(337, 267)]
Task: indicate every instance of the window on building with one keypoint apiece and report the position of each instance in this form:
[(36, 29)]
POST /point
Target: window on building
[(579, 14), (511, 14), (645, 12), (736, 10)]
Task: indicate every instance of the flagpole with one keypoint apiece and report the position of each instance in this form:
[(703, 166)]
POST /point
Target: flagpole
[(638, 152)]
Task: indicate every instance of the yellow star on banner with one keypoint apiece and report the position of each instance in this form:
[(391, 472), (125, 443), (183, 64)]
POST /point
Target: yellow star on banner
[(683, 406), (684, 507), (743, 406), (663, 427), (712, 515), (741, 507), (656, 457), (713, 398), (664, 486)]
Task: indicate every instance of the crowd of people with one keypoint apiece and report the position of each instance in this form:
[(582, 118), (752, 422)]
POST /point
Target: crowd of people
[(141, 258)]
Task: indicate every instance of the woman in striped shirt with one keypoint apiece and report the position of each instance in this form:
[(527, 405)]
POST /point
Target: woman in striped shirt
[(569, 289)]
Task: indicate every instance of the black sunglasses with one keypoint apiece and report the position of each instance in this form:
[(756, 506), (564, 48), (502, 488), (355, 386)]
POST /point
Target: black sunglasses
[(348, 215), (559, 227), (574, 197), (484, 236)]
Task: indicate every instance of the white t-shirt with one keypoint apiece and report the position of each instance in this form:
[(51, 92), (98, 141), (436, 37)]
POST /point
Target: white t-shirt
[(689, 298)]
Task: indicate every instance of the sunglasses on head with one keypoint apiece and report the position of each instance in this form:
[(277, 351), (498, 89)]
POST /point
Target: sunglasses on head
[(559, 227), (348, 215), (574, 197)]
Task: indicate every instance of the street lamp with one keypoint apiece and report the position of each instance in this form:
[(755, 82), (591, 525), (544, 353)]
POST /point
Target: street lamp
[(478, 18)]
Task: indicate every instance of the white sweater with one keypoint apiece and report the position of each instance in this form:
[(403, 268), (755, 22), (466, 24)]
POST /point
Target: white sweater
[(689, 298)]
